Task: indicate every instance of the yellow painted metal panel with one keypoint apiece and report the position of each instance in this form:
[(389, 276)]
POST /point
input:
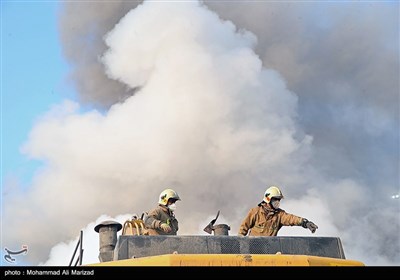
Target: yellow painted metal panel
[(231, 260)]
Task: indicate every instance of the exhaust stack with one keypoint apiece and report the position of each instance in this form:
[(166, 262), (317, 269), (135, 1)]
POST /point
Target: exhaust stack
[(221, 229), (108, 239)]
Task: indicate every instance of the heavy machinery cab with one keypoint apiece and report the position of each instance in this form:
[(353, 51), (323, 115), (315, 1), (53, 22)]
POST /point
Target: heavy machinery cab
[(135, 248)]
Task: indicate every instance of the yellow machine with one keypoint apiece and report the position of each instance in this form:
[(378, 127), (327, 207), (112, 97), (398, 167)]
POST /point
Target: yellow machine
[(134, 247), (231, 260)]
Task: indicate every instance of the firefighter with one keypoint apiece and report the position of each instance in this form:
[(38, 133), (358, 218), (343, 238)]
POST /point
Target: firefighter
[(267, 218), (161, 220)]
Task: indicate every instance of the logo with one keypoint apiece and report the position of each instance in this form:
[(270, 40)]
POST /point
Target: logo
[(8, 257)]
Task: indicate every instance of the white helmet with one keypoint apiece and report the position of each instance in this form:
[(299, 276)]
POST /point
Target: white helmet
[(166, 195), (271, 192)]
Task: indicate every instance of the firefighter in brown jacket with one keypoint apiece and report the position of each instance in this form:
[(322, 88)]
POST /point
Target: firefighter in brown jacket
[(267, 218), (161, 220)]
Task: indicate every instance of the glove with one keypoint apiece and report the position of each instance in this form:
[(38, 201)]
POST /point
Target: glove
[(310, 225), (166, 228)]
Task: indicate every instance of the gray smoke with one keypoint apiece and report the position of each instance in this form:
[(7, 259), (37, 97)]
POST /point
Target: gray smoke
[(218, 101), (341, 59), (82, 27)]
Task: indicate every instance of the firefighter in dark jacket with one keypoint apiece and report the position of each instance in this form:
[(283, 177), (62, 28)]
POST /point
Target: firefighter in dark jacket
[(267, 218), (161, 220)]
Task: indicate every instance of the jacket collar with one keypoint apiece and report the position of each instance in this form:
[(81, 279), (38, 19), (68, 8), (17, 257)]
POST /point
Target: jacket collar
[(166, 209)]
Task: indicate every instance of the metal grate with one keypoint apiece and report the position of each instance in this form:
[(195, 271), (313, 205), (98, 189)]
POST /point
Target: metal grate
[(142, 246), (230, 246)]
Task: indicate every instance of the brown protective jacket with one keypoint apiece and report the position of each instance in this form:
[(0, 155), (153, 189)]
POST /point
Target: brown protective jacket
[(157, 216), (263, 220)]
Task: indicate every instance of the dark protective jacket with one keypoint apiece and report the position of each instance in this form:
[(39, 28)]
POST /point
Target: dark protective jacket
[(157, 216), (263, 220)]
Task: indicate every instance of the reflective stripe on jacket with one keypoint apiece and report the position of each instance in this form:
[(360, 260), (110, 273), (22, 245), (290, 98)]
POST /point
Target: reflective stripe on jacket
[(157, 216)]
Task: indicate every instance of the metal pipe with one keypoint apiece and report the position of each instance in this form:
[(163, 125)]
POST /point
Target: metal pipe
[(221, 229), (107, 239)]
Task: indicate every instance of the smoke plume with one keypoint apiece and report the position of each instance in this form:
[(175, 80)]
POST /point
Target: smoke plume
[(218, 101)]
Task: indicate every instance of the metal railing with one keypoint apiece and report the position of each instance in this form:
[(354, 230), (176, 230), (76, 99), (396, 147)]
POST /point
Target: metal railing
[(80, 256)]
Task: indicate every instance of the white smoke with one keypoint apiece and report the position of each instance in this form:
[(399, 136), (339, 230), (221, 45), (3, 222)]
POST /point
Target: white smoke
[(207, 119)]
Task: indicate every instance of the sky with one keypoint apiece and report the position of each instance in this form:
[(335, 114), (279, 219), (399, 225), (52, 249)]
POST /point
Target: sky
[(105, 104)]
